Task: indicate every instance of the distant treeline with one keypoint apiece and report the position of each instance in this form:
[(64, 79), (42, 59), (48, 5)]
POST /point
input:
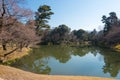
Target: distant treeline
[(109, 36)]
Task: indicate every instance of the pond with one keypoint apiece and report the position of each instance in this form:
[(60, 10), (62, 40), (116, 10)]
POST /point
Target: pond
[(78, 61)]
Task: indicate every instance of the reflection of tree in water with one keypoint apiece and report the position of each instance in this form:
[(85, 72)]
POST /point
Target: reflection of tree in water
[(38, 60), (34, 64), (60, 53), (82, 51), (111, 58), (94, 50), (112, 62), (40, 66)]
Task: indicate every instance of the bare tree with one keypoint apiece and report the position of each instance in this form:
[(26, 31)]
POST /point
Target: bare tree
[(11, 27)]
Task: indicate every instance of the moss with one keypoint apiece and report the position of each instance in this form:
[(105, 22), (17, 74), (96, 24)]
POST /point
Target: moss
[(10, 62)]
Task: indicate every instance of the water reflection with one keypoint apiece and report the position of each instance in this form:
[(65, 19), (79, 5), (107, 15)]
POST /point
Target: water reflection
[(39, 59), (112, 62)]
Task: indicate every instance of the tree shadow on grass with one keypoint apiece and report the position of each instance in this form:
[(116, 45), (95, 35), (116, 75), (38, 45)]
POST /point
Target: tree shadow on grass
[(10, 52)]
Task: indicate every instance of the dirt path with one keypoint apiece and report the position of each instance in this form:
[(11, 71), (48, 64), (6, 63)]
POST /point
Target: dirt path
[(10, 73)]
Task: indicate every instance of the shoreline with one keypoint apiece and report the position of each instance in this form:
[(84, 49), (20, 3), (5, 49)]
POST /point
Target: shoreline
[(5, 71), (15, 55), (10, 73)]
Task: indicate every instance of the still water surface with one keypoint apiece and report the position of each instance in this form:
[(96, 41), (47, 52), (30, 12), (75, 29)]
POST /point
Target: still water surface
[(79, 61)]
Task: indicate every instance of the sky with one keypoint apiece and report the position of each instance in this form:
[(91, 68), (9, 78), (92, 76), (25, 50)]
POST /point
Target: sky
[(78, 14)]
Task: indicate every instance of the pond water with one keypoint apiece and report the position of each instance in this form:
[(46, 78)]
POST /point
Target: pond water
[(78, 61)]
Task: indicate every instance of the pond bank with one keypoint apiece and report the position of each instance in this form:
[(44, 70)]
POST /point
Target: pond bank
[(10, 73), (117, 47), (14, 54)]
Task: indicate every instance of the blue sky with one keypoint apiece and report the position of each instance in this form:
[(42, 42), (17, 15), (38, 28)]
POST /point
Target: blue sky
[(78, 14)]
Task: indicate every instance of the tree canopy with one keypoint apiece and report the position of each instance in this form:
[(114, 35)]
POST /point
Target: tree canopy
[(12, 28), (42, 16)]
